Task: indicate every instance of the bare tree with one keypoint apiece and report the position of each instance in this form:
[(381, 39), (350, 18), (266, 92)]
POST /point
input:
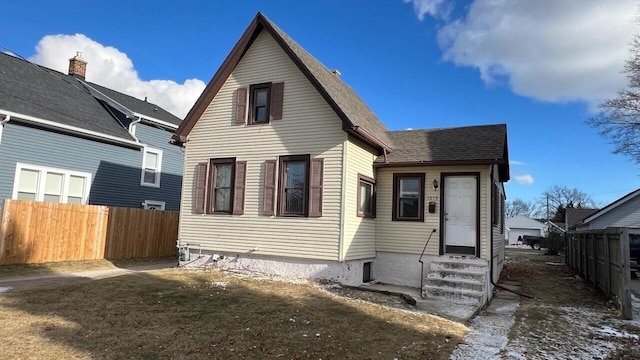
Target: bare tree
[(619, 118), (558, 198), (519, 207)]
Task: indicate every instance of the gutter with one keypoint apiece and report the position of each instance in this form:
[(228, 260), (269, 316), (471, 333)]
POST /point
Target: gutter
[(155, 121), (6, 119), (68, 128), (132, 128)]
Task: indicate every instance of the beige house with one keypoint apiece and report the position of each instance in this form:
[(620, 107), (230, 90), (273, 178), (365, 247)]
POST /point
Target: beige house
[(288, 172)]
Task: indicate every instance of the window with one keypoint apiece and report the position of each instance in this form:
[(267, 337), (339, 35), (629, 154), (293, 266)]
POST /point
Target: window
[(408, 197), (294, 181), (259, 99), (366, 196), (300, 186), (153, 205), (221, 173), (39, 183), (259, 103), (220, 186), (151, 167)]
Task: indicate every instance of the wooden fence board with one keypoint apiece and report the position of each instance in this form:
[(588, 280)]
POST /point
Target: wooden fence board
[(38, 232)]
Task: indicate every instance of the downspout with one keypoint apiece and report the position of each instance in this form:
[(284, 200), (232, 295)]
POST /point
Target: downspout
[(132, 128), (2, 122), (491, 254)]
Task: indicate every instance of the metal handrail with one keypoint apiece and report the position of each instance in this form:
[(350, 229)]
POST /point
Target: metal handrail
[(422, 264)]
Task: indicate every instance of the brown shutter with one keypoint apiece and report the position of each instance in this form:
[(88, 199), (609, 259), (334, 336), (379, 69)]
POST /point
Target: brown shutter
[(269, 187), (241, 105), (277, 96), (201, 188), (238, 187), (315, 192)]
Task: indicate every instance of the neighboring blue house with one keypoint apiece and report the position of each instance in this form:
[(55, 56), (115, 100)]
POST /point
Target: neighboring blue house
[(66, 140)]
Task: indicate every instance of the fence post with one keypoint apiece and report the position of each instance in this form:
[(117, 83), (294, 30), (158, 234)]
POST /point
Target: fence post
[(625, 294), (607, 266)]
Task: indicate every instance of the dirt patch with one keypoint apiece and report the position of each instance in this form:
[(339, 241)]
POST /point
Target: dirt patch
[(566, 318), (181, 314)]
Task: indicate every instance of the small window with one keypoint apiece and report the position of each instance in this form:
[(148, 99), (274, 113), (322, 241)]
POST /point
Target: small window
[(151, 167), (221, 179), (366, 196), (37, 183), (259, 99), (408, 197), (294, 184), (153, 205)]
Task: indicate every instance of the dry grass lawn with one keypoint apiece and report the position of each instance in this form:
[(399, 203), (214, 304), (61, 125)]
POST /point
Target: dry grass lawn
[(179, 314)]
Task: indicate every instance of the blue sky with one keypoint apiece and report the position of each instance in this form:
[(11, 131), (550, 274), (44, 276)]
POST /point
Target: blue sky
[(541, 67)]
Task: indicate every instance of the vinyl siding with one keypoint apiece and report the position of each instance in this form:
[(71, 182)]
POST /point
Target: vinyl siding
[(359, 233), (115, 170), (625, 215), (498, 234), (308, 126), (410, 236)]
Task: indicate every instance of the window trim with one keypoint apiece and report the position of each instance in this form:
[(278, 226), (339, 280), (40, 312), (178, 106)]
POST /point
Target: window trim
[(396, 191), (43, 170), (158, 171), (281, 181), (372, 182), (251, 116), (158, 203), (210, 196)]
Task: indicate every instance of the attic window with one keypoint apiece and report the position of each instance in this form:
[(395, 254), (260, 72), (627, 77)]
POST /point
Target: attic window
[(259, 103)]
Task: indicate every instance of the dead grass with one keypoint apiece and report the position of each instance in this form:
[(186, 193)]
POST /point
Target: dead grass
[(179, 314), (566, 317), (66, 267)]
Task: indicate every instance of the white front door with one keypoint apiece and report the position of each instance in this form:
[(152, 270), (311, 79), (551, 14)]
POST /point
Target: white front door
[(460, 214)]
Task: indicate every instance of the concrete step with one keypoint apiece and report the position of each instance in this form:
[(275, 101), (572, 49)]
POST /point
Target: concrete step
[(456, 284), (475, 267), (457, 274), (453, 295)]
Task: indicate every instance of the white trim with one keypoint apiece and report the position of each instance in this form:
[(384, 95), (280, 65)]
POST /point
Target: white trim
[(156, 121), (68, 128), (147, 203), (147, 149), (41, 184)]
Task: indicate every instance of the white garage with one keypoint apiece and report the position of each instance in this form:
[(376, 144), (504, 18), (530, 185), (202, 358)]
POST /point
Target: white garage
[(523, 225)]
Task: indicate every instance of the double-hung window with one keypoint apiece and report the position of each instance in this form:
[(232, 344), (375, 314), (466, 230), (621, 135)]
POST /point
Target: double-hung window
[(259, 100), (408, 197), (366, 196), (151, 167), (40, 183), (294, 185), (221, 179)]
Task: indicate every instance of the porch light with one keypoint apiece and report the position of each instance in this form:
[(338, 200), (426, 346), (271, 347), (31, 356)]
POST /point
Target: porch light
[(435, 184)]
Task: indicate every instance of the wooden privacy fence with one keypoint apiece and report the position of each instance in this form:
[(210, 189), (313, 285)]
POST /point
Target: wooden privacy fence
[(601, 257), (37, 232)]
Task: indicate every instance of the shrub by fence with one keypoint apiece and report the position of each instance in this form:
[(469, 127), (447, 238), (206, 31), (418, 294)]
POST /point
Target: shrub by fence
[(37, 232), (601, 257)]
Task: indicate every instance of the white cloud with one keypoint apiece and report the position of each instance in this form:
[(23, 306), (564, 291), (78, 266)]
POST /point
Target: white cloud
[(109, 67), (435, 8), (555, 51), (515, 162), (524, 179)]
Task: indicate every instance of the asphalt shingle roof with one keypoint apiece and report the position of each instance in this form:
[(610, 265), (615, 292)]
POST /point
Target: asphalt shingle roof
[(139, 106), (460, 144), (40, 92)]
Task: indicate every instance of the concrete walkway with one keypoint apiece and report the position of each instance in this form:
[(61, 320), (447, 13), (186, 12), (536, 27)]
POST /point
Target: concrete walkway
[(22, 283)]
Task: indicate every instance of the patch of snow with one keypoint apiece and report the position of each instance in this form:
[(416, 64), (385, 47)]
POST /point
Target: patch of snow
[(554, 263), (220, 284), (5, 289), (606, 330)]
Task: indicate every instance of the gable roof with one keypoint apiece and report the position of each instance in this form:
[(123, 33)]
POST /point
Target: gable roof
[(39, 92), (356, 116), (523, 222), (606, 209), (43, 97), (483, 144)]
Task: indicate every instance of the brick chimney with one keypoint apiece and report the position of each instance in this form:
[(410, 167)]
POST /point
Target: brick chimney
[(77, 66)]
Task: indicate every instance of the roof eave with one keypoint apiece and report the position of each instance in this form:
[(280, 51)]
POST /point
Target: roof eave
[(438, 163)]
